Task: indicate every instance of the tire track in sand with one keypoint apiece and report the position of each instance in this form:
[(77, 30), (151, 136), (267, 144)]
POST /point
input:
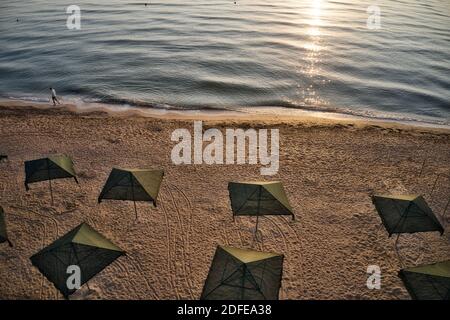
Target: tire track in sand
[(180, 242), (168, 241), (55, 230), (26, 205), (185, 236), (295, 246), (43, 240), (128, 266), (138, 266)]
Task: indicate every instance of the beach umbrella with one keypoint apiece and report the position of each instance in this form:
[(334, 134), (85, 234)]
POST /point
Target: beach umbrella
[(406, 214), (428, 282), (83, 247), (3, 233), (50, 168), (132, 184), (240, 274), (259, 199)]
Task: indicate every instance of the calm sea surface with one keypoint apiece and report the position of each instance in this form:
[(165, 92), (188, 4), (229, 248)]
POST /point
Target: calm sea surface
[(304, 54)]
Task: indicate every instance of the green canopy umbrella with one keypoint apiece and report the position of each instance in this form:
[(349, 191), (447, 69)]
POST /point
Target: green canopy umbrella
[(406, 214), (83, 247), (428, 282), (3, 233), (240, 274), (50, 168), (258, 199), (132, 184)]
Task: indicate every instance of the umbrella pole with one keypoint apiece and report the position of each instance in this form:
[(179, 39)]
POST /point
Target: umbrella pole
[(132, 191), (50, 181), (423, 166), (434, 186), (446, 207), (396, 250), (396, 241), (51, 190), (257, 220), (259, 208)]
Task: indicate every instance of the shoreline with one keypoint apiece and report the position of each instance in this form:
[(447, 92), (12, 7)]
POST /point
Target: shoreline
[(255, 114)]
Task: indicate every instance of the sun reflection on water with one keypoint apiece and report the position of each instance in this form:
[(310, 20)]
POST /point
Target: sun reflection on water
[(312, 59)]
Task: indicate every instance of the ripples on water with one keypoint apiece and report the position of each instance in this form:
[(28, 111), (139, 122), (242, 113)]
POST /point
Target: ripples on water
[(309, 54)]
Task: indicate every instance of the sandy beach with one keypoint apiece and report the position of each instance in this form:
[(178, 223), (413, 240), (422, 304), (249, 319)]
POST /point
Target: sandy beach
[(329, 169)]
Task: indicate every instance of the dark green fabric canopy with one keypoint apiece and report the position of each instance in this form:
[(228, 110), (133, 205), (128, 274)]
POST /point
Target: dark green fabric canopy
[(50, 168), (3, 232), (428, 282), (259, 198), (406, 214), (83, 247), (132, 184), (239, 274)]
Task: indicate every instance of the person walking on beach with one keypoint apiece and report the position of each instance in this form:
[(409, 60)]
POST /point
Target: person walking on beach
[(54, 99)]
